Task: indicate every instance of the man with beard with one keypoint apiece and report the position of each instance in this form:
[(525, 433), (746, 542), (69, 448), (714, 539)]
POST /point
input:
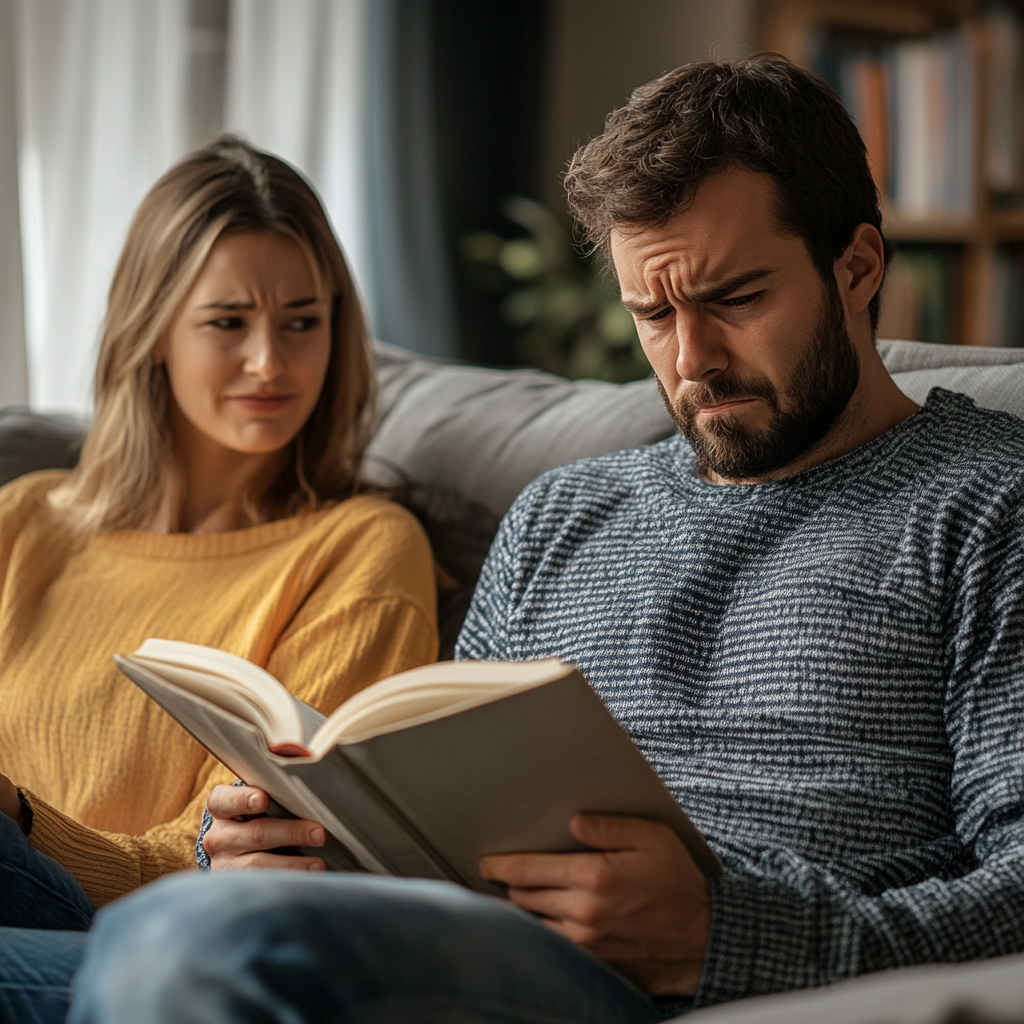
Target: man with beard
[(807, 611)]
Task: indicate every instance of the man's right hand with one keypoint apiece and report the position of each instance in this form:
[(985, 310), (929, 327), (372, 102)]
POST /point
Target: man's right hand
[(241, 835)]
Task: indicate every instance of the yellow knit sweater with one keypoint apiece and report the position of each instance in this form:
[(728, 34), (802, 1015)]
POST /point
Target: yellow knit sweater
[(327, 602)]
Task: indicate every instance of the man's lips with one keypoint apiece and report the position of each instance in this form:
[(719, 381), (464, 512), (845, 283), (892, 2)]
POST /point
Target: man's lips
[(727, 406)]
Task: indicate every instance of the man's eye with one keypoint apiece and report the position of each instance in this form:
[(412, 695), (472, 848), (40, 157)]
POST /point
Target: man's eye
[(738, 301), (660, 315), (303, 323)]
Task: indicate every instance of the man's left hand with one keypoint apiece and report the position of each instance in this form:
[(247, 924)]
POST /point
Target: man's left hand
[(637, 901)]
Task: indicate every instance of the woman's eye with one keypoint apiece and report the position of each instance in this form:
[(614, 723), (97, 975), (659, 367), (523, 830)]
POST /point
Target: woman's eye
[(303, 323), (227, 323)]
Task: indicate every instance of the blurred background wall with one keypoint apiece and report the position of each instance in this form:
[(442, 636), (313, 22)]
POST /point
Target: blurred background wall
[(417, 121)]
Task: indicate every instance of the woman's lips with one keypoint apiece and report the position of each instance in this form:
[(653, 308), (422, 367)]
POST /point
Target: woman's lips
[(261, 403)]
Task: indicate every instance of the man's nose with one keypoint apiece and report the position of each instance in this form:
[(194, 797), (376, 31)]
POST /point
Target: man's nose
[(700, 353)]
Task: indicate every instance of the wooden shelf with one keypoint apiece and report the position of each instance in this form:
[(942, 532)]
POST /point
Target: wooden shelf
[(1008, 224), (902, 227)]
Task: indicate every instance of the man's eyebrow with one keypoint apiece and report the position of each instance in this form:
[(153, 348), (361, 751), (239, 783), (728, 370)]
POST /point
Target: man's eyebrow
[(727, 287), (712, 294)]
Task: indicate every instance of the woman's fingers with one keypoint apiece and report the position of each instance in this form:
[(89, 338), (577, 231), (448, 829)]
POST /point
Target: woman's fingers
[(236, 801)]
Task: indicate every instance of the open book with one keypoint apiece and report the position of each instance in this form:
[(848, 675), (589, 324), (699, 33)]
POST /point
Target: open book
[(423, 773)]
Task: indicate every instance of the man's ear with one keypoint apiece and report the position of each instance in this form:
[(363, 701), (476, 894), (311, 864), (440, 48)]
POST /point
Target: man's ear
[(860, 269)]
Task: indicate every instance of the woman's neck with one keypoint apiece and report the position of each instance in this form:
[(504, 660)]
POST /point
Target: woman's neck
[(211, 489)]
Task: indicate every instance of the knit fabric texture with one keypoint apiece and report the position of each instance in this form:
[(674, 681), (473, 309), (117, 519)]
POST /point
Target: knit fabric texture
[(327, 602), (827, 671)]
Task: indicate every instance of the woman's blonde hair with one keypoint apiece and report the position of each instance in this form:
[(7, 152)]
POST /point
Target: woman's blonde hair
[(227, 185)]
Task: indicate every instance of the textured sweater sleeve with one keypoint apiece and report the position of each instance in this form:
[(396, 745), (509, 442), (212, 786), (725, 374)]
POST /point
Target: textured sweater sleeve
[(111, 864), (484, 634), (786, 923), (329, 649)]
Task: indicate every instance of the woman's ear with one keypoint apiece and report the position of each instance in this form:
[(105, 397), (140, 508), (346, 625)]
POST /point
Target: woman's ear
[(860, 269), (158, 355)]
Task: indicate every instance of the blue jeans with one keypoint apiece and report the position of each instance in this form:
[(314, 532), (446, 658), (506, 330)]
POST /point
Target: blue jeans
[(284, 947), (43, 916)]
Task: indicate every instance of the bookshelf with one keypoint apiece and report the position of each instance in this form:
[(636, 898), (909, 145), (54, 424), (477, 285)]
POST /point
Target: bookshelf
[(972, 228)]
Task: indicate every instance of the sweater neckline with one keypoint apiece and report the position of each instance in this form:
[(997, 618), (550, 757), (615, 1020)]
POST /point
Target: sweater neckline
[(210, 545)]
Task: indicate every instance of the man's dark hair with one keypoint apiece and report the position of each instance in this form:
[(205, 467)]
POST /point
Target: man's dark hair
[(764, 113)]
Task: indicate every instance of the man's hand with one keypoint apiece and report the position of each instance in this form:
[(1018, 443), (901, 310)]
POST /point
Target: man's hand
[(638, 902), (241, 837), (10, 802)]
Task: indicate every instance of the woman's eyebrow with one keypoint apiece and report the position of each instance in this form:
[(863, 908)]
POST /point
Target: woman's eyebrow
[(227, 304)]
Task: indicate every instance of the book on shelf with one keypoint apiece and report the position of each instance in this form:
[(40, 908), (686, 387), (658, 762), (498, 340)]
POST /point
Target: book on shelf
[(914, 104), (1004, 159), (423, 773), (918, 296), (1008, 297)]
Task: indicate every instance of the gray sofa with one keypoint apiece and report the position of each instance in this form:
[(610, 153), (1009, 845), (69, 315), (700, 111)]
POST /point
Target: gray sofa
[(462, 441)]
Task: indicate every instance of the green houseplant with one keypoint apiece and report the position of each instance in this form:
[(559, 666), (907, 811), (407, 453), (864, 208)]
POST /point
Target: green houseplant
[(564, 305)]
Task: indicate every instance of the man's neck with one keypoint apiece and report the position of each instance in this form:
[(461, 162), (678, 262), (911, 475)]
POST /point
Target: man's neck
[(876, 406)]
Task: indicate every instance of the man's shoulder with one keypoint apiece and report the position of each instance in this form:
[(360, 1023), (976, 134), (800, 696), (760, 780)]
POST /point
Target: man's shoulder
[(615, 477), (968, 439)]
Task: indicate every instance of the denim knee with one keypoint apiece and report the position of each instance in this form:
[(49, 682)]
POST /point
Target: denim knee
[(38, 892)]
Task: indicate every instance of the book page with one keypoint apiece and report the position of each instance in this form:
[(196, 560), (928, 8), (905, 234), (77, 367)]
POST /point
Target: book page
[(230, 682), (432, 691)]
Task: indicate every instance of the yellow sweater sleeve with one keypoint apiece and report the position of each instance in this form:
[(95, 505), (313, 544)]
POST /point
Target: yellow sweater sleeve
[(330, 649)]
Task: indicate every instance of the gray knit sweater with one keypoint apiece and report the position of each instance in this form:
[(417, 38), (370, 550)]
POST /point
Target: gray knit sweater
[(827, 671)]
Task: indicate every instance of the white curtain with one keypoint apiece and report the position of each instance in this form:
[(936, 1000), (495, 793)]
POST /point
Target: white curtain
[(103, 101), (294, 87), (13, 368)]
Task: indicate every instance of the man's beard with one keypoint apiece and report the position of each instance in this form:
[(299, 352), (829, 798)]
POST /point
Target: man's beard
[(819, 390)]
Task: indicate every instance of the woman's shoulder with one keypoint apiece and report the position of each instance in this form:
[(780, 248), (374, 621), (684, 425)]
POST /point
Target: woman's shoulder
[(24, 497), (375, 538), (376, 514)]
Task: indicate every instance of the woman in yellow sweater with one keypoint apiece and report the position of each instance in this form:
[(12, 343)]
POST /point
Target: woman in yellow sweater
[(217, 500)]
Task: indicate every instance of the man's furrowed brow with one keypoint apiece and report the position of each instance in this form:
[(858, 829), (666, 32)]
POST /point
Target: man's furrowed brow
[(640, 308), (725, 288)]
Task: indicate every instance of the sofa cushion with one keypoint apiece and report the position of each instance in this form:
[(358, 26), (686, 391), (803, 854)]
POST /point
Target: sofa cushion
[(487, 433), (29, 442), (993, 377)]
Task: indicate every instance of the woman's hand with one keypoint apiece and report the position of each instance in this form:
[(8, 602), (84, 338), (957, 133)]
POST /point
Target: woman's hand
[(10, 802), (241, 836)]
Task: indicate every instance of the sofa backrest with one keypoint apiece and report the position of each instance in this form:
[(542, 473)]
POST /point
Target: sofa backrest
[(463, 441), (485, 434)]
